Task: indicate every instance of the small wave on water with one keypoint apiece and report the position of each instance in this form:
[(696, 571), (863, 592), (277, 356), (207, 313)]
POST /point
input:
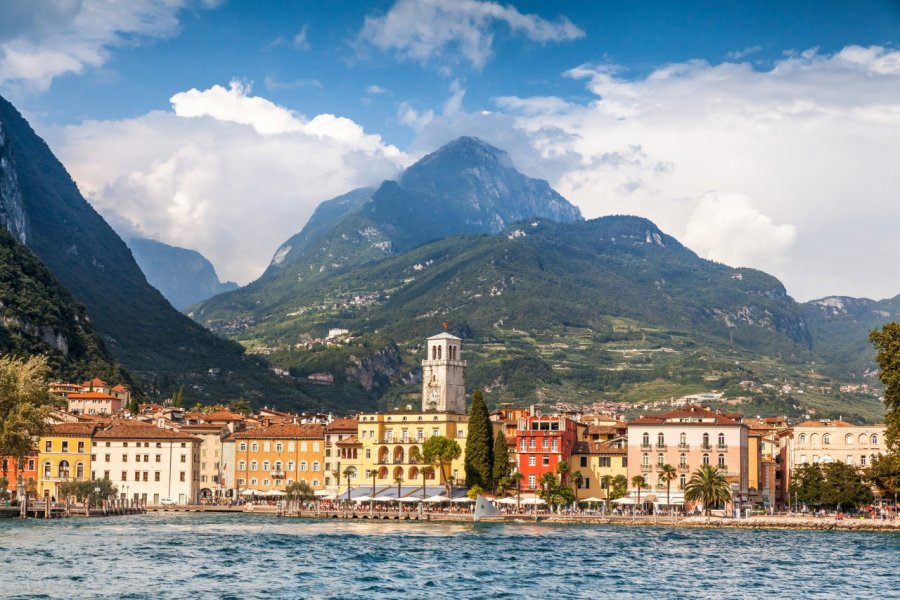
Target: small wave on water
[(173, 555)]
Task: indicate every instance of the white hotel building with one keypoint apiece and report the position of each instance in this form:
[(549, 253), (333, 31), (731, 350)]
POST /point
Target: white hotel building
[(148, 464)]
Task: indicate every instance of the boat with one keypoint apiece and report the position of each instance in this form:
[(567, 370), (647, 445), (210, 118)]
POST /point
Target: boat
[(484, 508)]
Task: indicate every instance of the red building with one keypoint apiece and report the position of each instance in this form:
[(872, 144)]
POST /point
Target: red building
[(9, 469), (542, 442)]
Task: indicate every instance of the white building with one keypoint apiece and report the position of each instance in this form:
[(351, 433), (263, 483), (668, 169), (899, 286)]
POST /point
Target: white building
[(443, 375), (148, 464)]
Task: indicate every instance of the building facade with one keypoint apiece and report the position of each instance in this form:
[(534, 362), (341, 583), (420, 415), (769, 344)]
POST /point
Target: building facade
[(212, 483), (443, 375), (542, 442), (148, 464), (688, 438), (597, 461), (274, 457), (64, 454)]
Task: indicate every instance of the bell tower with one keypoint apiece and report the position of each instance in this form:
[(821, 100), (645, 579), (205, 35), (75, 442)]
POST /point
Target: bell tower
[(443, 375)]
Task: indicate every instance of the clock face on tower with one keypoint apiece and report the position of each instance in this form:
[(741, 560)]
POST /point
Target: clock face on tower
[(433, 395)]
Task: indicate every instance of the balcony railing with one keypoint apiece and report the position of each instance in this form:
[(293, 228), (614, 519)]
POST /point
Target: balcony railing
[(646, 467), (646, 446), (684, 446), (721, 446), (661, 446), (706, 446), (683, 468)]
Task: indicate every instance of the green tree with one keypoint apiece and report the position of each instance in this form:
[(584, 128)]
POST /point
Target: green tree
[(441, 451), (24, 405), (884, 474), (501, 459), (887, 344), (845, 486), (709, 486), (475, 491), (300, 491), (640, 482), (516, 479), (607, 482), (349, 472), (133, 405), (178, 397), (619, 486), (479, 462), (577, 480), (667, 475), (4, 487), (240, 406), (808, 485)]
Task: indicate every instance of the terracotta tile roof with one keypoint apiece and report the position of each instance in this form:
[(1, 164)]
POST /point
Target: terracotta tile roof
[(223, 415), (348, 441), (824, 424), (92, 396), (95, 382), (598, 448), (120, 388), (282, 432), (604, 429), (686, 412), (204, 427), (73, 429), (129, 430), (342, 425)]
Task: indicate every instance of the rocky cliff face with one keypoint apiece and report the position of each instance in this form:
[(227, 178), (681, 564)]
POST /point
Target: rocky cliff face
[(12, 209), (373, 372)]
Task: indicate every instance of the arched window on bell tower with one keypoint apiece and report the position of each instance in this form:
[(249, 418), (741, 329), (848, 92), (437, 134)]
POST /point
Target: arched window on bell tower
[(439, 353), (434, 353)]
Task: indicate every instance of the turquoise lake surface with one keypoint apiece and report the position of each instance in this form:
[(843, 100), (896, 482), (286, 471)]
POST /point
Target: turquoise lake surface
[(195, 555)]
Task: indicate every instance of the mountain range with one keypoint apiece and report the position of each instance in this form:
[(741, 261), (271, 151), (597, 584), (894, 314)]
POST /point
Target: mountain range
[(552, 307), (42, 208)]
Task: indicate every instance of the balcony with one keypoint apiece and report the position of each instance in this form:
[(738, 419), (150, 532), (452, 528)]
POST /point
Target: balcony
[(683, 468), (646, 446), (646, 468), (706, 446), (722, 447), (661, 446), (684, 446), (277, 474)]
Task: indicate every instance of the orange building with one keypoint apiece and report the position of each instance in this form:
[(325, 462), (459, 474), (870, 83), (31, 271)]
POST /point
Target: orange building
[(273, 457), (9, 468)]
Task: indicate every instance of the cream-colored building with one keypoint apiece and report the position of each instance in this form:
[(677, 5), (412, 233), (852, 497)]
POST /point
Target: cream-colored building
[(443, 375), (212, 483), (822, 442)]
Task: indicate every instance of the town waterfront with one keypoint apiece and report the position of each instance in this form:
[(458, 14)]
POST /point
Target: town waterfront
[(174, 555)]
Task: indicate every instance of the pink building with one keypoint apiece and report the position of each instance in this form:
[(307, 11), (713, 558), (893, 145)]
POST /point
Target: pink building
[(687, 438), (94, 403)]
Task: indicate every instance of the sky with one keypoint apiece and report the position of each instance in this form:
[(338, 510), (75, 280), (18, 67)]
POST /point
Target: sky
[(760, 134)]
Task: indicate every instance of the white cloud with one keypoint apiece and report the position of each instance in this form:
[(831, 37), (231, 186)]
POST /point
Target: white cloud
[(422, 29), (229, 174), (375, 90), (729, 228), (813, 141), (43, 40)]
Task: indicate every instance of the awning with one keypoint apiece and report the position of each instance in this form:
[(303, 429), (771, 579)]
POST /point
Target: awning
[(592, 499), (273, 493), (249, 493), (625, 500), (437, 498), (510, 500), (463, 500)]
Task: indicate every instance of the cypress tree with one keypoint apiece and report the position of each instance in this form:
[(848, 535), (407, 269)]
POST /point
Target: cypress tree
[(479, 445), (501, 458)]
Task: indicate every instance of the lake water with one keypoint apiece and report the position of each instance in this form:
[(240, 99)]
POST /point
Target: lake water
[(179, 555)]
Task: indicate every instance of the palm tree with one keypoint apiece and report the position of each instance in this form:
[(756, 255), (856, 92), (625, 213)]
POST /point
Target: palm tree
[(348, 473), (607, 480), (374, 474), (299, 491), (577, 479), (709, 486), (563, 469), (548, 482), (667, 475), (516, 478), (639, 482), (399, 480)]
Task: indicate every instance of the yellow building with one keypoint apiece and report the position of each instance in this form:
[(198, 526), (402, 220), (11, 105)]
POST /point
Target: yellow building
[(594, 460), (389, 443), (273, 457), (64, 454)]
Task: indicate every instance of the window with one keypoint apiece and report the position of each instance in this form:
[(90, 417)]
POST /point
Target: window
[(253, 481), (532, 443), (624, 461), (661, 440), (124, 444), (801, 439), (532, 480), (523, 445), (605, 461), (137, 458), (849, 459), (532, 460), (461, 433), (146, 475), (106, 457), (862, 460), (721, 440), (303, 466), (159, 458), (315, 466), (660, 459), (721, 461), (555, 445), (65, 446), (645, 460), (369, 453), (802, 459), (265, 465), (47, 469), (604, 484), (290, 446), (682, 481), (302, 446), (48, 446), (682, 440), (706, 441), (848, 440), (254, 447), (146, 458), (546, 461), (291, 466), (279, 447), (584, 461), (105, 474), (181, 476), (184, 458), (682, 460), (81, 446), (242, 446), (124, 475), (874, 439), (706, 459), (315, 446), (124, 458), (545, 443), (645, 439), (254, 466)]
